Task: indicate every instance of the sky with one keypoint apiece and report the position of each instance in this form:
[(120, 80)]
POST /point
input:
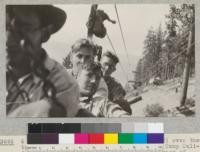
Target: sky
[(135, 19)]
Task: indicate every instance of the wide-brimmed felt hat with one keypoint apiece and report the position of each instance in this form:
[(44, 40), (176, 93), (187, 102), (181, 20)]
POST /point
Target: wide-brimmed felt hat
[(48, 14)]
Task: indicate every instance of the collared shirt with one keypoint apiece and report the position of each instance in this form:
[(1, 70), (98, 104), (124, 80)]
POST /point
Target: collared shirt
[(116, 93), (115, 89), (102, 108), (31, 89)]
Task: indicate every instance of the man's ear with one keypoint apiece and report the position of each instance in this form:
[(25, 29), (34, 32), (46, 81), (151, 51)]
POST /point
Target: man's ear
[(46, 32)]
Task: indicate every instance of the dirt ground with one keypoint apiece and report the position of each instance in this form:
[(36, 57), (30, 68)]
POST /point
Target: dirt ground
[(166, 95)]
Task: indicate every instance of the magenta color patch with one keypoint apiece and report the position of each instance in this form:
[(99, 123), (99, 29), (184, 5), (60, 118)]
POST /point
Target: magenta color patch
[(81, 139)]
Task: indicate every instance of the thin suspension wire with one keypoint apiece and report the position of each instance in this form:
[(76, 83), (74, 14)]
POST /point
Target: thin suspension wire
[(122, 37), (116, 55)]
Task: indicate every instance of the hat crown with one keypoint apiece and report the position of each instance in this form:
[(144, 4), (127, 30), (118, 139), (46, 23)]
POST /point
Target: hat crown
[(48, 14)]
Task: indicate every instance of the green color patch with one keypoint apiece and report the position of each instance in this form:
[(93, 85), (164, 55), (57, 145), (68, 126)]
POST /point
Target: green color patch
[(125, 138)]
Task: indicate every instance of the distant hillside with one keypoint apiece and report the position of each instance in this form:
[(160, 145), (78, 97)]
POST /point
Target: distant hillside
[(120, 75)]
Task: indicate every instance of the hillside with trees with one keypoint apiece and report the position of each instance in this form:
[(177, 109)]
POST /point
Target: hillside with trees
[(164, 52), (167, 67)]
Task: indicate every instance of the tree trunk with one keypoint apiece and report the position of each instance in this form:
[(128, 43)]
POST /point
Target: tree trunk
[(186, 70), (166, 72)]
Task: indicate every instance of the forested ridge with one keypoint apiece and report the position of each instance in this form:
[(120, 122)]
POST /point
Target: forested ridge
[(165, 50)]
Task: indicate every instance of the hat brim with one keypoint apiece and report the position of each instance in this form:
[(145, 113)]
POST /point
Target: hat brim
[(48, 14)]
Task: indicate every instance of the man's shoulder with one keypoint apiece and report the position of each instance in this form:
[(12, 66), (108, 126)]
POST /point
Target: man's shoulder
[(113, 85), (56, 68), (111, 80), (58, 73), (65, 85), (102, 13)]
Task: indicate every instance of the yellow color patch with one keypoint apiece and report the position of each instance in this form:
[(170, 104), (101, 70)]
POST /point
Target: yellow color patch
[(110, 138)]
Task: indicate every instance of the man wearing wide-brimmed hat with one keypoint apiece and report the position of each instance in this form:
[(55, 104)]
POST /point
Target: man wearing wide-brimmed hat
[(37, 86)]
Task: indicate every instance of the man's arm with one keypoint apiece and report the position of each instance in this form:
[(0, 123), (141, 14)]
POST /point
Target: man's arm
[(84, 113), (114, 110), (106, 17), (67, 90), (112, 21), (34, 109)]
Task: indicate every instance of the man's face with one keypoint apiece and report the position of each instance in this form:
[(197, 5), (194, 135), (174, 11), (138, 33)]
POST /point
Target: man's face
[(88, 82), (83, 56), (108, 66), (24, 37)]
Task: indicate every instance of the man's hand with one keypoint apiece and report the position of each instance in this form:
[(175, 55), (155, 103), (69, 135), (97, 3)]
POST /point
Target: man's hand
[(84, 113), (34, 109)]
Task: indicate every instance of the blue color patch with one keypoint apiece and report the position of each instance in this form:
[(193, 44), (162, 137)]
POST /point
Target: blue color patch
[(155, 138)]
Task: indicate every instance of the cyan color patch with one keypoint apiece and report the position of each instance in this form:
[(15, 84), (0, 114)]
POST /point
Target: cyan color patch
[(140, 138)]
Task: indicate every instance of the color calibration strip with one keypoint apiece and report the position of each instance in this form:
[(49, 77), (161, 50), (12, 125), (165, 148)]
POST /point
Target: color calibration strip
[(96, 133)]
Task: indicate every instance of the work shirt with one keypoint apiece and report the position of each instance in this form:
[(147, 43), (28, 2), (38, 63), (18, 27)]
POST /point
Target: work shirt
[(102, 108), (116, 93), (29, 89), (115, 89)]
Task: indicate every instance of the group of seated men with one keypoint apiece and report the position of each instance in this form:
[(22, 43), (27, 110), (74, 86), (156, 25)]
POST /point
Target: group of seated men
[(98, 89), (38, 86)]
